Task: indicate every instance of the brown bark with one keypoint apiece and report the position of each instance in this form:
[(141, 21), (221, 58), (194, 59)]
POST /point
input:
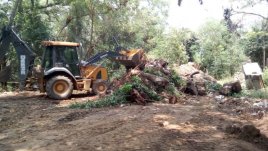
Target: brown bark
[(153, 78), (138, 97), (231, 87)]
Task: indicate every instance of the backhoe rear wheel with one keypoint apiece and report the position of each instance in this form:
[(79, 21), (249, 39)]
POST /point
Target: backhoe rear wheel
[(100, 87), (59, 87)]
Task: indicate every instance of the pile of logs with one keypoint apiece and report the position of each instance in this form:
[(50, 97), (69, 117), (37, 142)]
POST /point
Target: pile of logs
[(151, 80), (158, 78)]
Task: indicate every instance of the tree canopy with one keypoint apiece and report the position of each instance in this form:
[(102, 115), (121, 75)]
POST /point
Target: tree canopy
[(218, 46)]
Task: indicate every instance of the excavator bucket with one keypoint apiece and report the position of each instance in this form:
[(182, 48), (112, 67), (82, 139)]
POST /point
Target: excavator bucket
[(131, 58)]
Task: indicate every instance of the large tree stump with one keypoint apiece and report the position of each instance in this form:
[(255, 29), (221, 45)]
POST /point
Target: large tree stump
[(231, 87)]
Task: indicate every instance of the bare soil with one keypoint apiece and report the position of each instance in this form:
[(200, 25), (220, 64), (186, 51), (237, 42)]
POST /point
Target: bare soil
[(29, 121)]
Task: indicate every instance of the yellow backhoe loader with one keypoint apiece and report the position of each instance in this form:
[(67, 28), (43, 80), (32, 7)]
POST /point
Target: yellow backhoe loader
[(61, 71)]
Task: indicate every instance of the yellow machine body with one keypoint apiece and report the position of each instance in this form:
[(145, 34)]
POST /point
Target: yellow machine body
[(94, 72)]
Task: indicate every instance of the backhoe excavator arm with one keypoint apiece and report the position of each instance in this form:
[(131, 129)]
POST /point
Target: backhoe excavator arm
[(100, 56), (25, 55), (128, 58)]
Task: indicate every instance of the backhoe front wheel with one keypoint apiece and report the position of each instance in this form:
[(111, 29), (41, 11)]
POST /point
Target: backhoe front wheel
[(100, 87), (59, 87)]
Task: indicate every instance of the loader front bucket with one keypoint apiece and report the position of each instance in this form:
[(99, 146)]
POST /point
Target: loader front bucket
[(132, 58)]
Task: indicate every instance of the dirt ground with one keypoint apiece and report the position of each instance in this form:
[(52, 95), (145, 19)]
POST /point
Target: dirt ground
[(32, 122)]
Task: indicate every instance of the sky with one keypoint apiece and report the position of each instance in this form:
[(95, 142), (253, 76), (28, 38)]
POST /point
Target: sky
[(191, 14)]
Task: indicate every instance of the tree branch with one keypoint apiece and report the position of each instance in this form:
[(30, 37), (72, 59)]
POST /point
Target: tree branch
[(49, 5), (249, 13)]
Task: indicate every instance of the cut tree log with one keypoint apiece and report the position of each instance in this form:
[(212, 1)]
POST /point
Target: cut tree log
[(159, 65), (231, 87), (160, 81), (196, 79), (138, 97), (195, 88)]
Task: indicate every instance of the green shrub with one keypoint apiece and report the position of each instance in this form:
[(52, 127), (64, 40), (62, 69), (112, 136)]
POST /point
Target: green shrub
[(213, 86), (120, 96), (117, 98), (116, 73), (258, 94), (154, 72), (265, 76), (176, 80), (138, 84), (171, 89)]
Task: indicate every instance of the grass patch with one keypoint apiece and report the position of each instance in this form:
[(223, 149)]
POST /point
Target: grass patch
[(213, 86), (265, 76), (117, 98), (258, 94)]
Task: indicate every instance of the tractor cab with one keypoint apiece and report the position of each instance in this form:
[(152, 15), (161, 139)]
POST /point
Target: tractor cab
[(62, 72), (61, 55)]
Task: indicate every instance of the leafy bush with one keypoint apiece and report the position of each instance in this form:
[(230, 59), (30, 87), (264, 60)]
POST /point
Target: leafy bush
[(154, 72), (172, 44), (211, 86), (117, 98), (265, 76), (258, 94), (177, 80), (115, 71), (138, 84), (171, 89)]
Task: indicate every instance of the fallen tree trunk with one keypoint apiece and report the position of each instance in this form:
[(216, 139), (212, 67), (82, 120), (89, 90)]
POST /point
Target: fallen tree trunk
[(153, 78), (138, 97)]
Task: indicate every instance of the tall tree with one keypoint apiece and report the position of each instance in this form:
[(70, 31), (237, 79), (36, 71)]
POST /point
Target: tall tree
[(220, 51)]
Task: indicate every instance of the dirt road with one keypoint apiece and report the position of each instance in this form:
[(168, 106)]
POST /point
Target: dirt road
[(32, 122)]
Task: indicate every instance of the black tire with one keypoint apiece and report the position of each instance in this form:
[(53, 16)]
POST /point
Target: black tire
[(100, 87), (59, 87)]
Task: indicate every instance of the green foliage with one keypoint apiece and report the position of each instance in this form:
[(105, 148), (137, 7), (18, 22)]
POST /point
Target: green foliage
[(258, 94), (120, 96), (95, 22), (115, 72), (90, 22), (117, 98), (172, 90), (138, 84), (31, 26), (171, 47), (153, 71), (211, 86), (265, 76), (253, 44), (176, 80), (220, 50)]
